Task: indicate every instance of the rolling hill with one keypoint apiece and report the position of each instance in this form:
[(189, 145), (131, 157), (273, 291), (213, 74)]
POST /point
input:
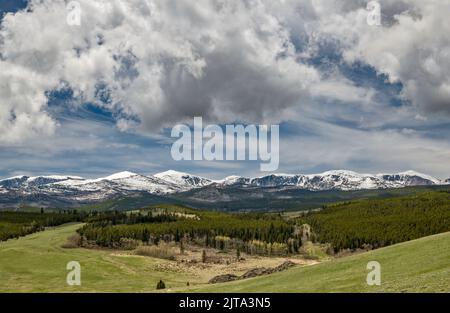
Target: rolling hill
[(36, 263), (421, 265)]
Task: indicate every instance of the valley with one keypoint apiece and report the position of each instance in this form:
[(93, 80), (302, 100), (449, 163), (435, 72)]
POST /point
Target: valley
[(36, 263), (324, 250)]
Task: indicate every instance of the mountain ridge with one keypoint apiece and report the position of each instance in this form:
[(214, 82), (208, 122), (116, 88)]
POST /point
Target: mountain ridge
[(75, 189), (190, 180)]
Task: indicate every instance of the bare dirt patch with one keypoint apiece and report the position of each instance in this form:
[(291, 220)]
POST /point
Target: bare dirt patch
[(224, 263)]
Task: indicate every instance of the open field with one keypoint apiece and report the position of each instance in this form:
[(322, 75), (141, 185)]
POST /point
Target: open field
[(421, 265), (37, 263)]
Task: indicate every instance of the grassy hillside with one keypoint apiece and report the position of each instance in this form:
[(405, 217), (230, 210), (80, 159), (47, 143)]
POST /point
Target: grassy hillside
[(16, 224), (37, 263), (421, 265)]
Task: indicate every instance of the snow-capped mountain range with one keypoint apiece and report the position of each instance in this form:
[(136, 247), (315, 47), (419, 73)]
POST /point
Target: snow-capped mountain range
[(339, 180), (76, 188)]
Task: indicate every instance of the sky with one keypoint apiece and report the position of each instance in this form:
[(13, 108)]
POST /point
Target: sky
[(102, 96)]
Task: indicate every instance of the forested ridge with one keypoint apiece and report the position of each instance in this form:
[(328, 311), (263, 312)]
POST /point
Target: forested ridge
[(366, 224), (256, 232), (378, 223), (17, 224)]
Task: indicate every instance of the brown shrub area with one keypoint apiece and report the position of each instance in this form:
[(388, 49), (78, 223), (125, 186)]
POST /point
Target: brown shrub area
[(73, 241), (161, 251)]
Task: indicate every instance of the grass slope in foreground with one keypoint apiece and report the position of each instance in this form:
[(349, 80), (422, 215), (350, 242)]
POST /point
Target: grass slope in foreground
[(421, 265), (37, 263)]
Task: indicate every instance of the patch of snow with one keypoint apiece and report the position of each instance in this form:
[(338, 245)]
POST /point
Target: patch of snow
[(14, 177), (120, 175), (55, 177), (424, 176), (183, 179)]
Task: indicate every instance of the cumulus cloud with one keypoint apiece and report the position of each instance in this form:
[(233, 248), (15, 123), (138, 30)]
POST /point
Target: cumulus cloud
[(154, 63), (22, 105), (160, 62), (412, 47)]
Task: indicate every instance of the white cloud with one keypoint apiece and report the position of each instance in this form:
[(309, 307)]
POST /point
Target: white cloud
[(165, 61), (224, 60), (414, 50), (22, 104)]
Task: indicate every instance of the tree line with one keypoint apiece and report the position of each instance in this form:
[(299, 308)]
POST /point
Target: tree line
[(212, 229), (17, 224), (379, 223)]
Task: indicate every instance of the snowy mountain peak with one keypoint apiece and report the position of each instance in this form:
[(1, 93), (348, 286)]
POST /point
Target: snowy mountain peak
[(25, 181), (232, 177), (171, 173), (15, 177), (340, 173), (336, 179), (231, 180), (184, 180), (55, 177), (73, 189), (424, 176), (14, 182), (120, 175)]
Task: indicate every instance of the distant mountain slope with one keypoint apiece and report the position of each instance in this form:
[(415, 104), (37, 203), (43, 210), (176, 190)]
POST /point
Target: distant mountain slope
[(66, 190), (340, 179), (183, 180), (26, 181), (419, 265), (126, 181)]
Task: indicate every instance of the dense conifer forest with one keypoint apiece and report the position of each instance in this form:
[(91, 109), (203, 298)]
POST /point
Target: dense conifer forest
[(259, 233), (378, 223), (17, 224)]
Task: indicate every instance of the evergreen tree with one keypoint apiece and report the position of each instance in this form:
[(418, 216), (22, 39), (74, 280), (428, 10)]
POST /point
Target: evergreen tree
[(181, 246), (160, 285), (145, 236), (203, 256)]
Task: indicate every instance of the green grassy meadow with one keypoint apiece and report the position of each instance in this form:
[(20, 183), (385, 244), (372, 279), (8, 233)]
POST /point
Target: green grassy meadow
[(37, 263), (421, 265)]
